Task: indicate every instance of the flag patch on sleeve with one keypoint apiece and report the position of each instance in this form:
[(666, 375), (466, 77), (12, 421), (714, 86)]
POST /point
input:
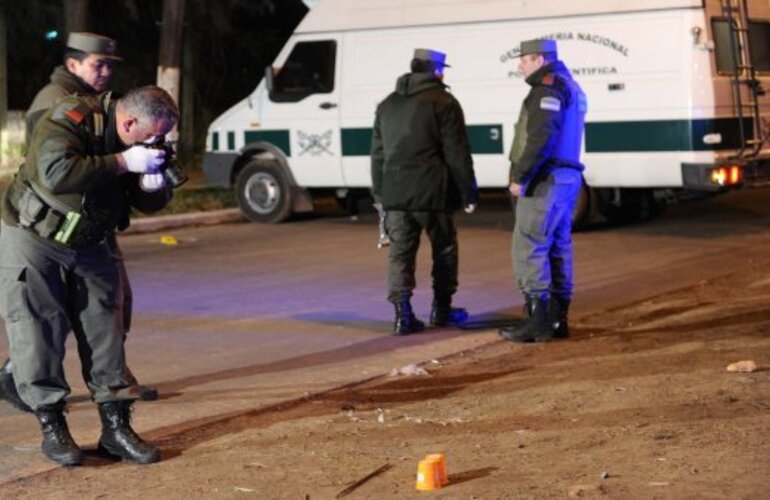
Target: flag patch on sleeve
[(74, 115), (550, 103)]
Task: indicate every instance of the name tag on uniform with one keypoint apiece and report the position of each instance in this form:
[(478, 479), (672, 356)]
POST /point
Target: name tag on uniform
[(550, 103)]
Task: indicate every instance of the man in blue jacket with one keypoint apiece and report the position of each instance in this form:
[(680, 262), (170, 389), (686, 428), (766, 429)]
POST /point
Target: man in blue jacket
[(546, 178)]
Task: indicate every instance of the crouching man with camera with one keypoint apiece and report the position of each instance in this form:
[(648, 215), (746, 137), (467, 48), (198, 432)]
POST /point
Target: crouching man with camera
[(87, 165)]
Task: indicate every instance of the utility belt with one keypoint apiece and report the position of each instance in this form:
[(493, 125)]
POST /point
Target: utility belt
[(547, 169), (52, 220)]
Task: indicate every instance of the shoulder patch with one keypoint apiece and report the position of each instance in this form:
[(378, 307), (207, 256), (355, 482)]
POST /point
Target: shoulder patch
[(548, 79), (550, 103), (75, 116)]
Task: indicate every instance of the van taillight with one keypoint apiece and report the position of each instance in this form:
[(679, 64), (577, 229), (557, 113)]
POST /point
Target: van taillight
[(730, 175)]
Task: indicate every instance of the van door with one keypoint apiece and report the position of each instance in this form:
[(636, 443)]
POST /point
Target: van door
[(305, 107)]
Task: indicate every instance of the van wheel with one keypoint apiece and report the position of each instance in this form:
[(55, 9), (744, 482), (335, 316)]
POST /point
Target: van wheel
[(263, 192)]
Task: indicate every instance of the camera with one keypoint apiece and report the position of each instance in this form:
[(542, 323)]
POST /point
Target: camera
[(170, 168)]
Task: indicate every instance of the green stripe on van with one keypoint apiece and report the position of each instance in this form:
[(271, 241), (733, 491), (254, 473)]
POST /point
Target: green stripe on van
[(484, 139), (230, 141), (662, 135), (356, 141), (215, 141), (279, 138)]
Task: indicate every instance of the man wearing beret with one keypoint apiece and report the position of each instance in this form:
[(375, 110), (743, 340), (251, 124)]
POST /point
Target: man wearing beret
[(422, 171), (545, 177)]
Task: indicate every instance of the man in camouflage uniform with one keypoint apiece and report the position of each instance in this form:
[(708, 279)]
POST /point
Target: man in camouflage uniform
[(422, 171), (85, 169), (546, 178), (87, 70)]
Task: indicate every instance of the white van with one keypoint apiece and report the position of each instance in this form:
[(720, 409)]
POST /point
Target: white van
[(668, 112)]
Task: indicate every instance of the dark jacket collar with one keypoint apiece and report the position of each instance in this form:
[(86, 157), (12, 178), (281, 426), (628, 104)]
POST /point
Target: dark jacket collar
[(413, 83), (69, 82), (554, 67)]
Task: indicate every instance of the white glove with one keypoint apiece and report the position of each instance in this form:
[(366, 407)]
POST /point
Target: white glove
[(151, 182), (143, 160), (470, 208)]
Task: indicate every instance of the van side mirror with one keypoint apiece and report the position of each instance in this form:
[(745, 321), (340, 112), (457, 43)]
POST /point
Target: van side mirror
[(269, 77)]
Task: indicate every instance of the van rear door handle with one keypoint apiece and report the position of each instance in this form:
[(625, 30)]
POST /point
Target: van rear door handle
[(327, 105)]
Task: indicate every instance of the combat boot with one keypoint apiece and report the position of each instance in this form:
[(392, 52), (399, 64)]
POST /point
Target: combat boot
[(58, 444), (406, 321), (443, 314), (8, 388), (536, 328), (559, 310), (119, 439)]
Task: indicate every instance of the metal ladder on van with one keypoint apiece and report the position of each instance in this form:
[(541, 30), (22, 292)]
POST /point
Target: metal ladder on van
[(744, 76)]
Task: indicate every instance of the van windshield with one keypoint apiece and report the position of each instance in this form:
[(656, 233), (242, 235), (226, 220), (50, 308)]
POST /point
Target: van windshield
[(308, 70)]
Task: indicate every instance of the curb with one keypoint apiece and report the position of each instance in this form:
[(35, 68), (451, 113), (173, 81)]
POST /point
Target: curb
[(152, 224)]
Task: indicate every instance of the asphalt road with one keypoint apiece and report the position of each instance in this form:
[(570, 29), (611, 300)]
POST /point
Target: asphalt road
[(239, 316)]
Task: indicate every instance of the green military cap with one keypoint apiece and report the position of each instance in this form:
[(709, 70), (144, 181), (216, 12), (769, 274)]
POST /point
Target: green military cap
[(537, 47), (91, 43), (434, 56)]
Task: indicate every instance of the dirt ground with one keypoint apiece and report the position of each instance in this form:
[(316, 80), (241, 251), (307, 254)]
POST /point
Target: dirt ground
[(637, 404)]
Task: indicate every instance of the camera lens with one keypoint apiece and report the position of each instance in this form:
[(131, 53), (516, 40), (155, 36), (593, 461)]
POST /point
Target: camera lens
[(174, 174)]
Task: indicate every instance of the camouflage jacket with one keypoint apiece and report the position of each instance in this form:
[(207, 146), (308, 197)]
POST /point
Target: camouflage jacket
[(549, 131)]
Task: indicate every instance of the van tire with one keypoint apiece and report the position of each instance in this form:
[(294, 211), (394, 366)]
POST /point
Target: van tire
[(263, 192)]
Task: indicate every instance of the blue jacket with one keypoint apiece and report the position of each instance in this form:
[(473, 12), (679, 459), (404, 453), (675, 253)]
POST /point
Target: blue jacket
[(549, 132)]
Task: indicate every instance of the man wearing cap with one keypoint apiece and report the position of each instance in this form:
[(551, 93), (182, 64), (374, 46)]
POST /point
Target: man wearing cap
[(546, 178), (422, 171), (88, 164), (87, 70)]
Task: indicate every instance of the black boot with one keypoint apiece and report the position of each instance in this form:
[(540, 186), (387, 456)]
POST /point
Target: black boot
[(8, 388), (58, 444), (119, 439), (535, 328), (406, 321), (443, 314), (559, 310)]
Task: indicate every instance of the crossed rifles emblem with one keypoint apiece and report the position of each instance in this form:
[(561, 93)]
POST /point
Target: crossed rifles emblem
[(315, 144)]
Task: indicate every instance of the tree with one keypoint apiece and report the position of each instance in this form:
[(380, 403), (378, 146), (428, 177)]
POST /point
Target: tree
[(170, 55)]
